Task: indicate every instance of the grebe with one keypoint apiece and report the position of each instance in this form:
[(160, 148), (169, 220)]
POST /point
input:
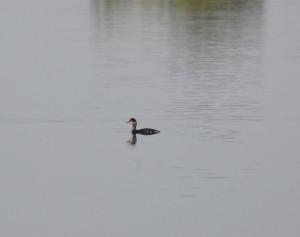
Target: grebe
[(143, 131)]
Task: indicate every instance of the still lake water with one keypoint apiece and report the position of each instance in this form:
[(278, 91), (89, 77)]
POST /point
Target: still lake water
[(220, 79)]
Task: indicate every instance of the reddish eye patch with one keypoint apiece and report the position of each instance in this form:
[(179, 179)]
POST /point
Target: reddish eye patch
[(132, 120)]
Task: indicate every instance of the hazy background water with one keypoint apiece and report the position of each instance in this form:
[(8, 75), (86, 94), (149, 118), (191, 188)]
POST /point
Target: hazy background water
[(219, 78)]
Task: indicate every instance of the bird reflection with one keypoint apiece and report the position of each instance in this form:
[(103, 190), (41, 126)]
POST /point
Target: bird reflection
[(132, 140)]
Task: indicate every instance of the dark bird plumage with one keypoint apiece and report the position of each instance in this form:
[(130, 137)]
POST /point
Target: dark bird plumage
[(143, 131)]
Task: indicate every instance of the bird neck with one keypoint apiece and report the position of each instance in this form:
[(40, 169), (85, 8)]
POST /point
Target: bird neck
[(133, 126)]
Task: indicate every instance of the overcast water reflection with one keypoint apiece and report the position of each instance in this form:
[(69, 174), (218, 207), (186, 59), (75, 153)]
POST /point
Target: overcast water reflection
[(218, 78)]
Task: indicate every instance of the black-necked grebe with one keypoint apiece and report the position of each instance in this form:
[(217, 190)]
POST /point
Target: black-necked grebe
[(143, 131)]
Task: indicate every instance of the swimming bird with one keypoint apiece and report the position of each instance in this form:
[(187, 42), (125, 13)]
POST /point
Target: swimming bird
[(143, 131)]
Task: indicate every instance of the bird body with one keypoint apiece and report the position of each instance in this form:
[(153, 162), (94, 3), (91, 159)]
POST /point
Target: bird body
[(143, 131)]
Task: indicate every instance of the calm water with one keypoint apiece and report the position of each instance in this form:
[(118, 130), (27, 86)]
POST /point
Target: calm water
[(220, 79)]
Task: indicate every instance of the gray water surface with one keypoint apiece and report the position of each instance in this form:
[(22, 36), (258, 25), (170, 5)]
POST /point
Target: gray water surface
[(220, 79)]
